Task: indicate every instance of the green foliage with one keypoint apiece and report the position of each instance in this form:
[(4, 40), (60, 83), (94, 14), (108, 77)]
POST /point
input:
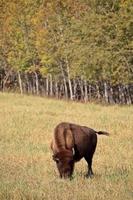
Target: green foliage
[(92, 39)]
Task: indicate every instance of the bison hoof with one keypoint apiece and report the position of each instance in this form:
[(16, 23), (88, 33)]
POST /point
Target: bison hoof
[(90, 175)]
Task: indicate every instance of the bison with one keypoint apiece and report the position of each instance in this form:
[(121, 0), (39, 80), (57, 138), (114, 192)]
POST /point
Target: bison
[(70, 143)]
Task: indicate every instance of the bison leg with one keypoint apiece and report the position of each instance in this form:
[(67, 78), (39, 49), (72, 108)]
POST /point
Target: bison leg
[(90, 171)]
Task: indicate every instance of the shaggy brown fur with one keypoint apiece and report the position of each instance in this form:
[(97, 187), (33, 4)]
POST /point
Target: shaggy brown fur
[(72, 142)]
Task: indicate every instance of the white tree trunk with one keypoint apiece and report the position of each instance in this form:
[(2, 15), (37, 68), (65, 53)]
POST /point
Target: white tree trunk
[(86, 91), (98, 91), (106, 92), (47, 86), (37, 84), (20, 82), (51, 85), (56, 90), (69, 80), (64, 80)]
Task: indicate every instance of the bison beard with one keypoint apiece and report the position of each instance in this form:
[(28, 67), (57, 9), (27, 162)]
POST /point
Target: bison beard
[(71, 143)]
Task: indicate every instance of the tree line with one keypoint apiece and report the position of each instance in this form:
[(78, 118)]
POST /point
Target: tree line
[(78, 50)]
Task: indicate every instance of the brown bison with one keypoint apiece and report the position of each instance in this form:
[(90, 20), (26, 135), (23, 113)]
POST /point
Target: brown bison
[(72, 142)]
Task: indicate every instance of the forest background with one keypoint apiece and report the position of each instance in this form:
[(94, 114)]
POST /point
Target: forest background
[(78, 50)]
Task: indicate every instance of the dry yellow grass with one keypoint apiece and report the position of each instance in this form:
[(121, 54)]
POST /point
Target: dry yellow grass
[(26, 168)]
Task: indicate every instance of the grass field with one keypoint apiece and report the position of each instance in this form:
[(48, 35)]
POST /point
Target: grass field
[(26, 168)]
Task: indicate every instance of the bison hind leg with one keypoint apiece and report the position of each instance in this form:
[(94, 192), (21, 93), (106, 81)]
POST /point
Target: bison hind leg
[(89, 156), (90, 171)]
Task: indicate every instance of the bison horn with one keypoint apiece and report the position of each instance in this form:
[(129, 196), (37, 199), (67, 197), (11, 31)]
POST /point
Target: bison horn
[(55, 158), (73, 151)]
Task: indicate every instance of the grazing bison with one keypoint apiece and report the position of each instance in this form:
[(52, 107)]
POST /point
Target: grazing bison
[(72, 142)]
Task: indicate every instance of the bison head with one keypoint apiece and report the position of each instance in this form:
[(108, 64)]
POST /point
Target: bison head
[(65, 163)]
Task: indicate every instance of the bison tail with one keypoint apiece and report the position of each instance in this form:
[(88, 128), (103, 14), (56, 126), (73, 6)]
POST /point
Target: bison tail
[(102, 133)]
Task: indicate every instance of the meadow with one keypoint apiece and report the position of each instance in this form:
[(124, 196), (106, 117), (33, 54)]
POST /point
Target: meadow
[(27, 171)]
